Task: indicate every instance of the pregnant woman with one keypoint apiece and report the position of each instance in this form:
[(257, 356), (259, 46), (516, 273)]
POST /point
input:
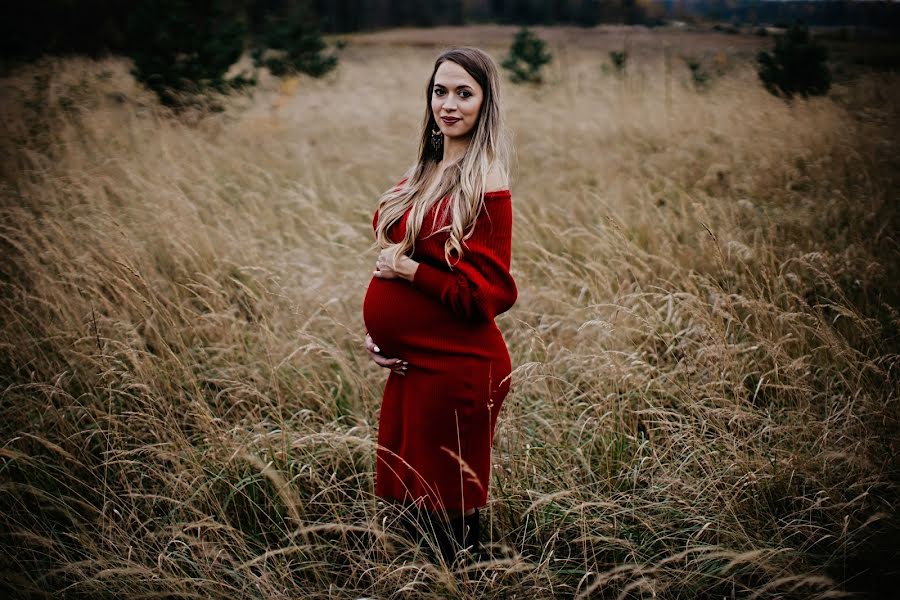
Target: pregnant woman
[(441, 277)]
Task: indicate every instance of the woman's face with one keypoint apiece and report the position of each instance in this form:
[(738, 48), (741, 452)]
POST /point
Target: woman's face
[(455, 96)]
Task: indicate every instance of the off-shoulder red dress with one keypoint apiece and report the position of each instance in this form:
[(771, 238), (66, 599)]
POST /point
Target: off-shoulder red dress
[(436, 424)]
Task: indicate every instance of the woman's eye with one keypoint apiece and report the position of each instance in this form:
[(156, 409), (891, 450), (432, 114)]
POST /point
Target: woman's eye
[(462, 94)]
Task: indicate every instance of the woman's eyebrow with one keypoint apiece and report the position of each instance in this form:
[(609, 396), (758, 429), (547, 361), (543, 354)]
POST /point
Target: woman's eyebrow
[(462, 85)]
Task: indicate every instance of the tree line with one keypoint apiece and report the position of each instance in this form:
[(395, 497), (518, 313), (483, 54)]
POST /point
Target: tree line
[(880, 14), (31, 28)]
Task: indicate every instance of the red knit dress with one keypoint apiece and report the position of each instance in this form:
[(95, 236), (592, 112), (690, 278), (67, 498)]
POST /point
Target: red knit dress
[(436, 425)]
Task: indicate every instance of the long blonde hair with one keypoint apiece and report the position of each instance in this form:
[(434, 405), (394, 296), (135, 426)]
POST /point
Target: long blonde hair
[(464, 180)]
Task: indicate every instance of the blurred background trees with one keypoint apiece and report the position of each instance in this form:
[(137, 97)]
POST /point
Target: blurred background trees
[(182, 48), (796, 65), (29, 29), (289, 40), (526, 57)]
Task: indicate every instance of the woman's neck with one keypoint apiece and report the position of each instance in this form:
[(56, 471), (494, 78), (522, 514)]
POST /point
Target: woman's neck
[(454, 149)]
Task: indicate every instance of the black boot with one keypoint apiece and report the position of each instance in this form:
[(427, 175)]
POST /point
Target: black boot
[(472, 535), (456, 534), (408, 522), (442, 529), (415, 524)]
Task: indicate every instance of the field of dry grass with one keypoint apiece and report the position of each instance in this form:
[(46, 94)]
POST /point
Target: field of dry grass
[(705, 345)]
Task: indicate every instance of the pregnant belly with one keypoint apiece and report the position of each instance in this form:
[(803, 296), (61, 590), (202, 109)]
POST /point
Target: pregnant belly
[(404, 322)]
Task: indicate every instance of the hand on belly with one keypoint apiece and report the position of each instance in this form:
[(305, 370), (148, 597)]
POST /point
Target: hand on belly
[(396, 365)]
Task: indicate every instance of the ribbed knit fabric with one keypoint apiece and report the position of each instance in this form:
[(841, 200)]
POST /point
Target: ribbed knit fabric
[(436, 424)]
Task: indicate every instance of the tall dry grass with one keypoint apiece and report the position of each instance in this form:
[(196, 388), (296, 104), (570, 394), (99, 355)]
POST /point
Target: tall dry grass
[(704, 399)]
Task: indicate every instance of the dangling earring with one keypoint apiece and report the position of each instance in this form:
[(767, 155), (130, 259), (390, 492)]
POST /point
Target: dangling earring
[(437, 139)]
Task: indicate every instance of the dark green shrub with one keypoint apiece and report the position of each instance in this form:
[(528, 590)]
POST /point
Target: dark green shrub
[(706, 68), (795, 66), (527, 55), (183, 48), (619, 59), (293, 43), (699, 75)]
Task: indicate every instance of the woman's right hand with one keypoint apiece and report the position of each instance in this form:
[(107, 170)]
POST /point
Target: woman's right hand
[(396, 365)]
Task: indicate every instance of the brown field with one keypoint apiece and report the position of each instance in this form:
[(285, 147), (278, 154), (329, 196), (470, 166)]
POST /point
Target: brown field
[(705, 346), (602, 37)]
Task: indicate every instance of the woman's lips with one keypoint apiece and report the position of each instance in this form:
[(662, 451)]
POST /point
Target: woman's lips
[(449, 121)]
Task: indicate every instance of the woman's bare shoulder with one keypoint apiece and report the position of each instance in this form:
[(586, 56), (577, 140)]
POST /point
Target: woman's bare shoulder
[(496, 180)]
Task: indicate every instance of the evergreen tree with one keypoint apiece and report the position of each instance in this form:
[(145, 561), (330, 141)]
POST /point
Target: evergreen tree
[(182, 48), (296, 39), (795, 66), (526, 57), (619, 59)]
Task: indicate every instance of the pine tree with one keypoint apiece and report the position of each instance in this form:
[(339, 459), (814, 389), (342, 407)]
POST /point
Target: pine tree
[(795, 66), (293, 43), (183, 48), (526, 57)]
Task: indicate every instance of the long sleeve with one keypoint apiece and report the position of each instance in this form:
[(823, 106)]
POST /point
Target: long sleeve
[(480, 285)]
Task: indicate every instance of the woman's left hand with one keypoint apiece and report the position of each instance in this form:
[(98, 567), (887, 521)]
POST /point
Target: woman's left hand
[(406, 267)]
